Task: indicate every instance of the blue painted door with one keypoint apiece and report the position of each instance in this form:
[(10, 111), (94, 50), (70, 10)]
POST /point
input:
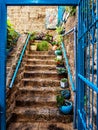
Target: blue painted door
[(87, 61)]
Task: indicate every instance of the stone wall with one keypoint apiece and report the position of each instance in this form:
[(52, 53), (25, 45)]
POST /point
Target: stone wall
[(69, 42), (28, 18), (11, 94)]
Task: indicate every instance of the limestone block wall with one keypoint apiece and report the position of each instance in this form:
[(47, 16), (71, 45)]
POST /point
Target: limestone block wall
[(69, 42), (28, 18), (11, 94)]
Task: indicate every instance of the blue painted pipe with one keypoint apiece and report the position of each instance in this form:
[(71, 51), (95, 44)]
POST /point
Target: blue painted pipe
[(19, 62)]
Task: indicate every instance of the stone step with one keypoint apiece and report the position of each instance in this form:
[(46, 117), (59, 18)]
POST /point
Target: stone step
[(41, 113), (36, 99), (38, 89), (42, 57), (41, 62), (40, 52), (40, 126), (40, 67), (43, 74), (40, 82)]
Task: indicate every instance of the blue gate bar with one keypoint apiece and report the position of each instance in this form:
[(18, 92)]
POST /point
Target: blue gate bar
[(83, 121), (97, 58), (3, 35), (88, 65), (90, 84), (42, 2)]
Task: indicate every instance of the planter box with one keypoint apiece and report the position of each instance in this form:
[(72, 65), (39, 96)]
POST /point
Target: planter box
[(64, 84), (33, 47), (59, 57)]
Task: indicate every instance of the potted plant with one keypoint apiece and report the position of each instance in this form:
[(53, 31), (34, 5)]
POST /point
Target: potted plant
[(65, 93), (58, 51), (61, 70), (32, 37), (58, 61), (43, 46), (64, 82), (65, 106), (54, 45), (33, 47)]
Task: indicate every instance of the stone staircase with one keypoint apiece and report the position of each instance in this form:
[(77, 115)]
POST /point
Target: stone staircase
[(36, 107)]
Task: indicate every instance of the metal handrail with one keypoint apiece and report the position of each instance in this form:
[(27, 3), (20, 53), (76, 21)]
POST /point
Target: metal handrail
[(73, 84), (19, 62), (68, 67), (66, 60)]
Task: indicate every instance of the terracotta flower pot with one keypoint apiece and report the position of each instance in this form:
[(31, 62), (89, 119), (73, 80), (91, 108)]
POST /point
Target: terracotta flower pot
[(54, 47)]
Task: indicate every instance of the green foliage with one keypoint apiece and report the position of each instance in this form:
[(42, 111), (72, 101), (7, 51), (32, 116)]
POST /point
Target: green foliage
[(64, 80), (12, 35), (61, 70), (43, 46), (59, 29), (58, 61), (48, 37), (33, 36), (53, 43), (60, 100), (71, 9)]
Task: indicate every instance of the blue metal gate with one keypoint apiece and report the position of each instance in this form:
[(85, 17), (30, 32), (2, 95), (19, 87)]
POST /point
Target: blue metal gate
[(87, 62)]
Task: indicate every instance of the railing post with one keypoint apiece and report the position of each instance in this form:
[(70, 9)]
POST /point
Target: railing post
[(3, 14), (75, 94), (79, 70), (97, 59)]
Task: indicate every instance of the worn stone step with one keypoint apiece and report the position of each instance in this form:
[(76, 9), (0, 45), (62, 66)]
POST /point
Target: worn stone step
[(40, 126), (36, 99), (40, 82), (41, 113), (38, 89), (42, 57), (40, 52), (37, 61), (40, 67), (43, 74)]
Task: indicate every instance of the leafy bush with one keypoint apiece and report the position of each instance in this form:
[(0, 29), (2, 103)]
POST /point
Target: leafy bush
[(60, 100), (12, 35), (43, 46), (33, 36)]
